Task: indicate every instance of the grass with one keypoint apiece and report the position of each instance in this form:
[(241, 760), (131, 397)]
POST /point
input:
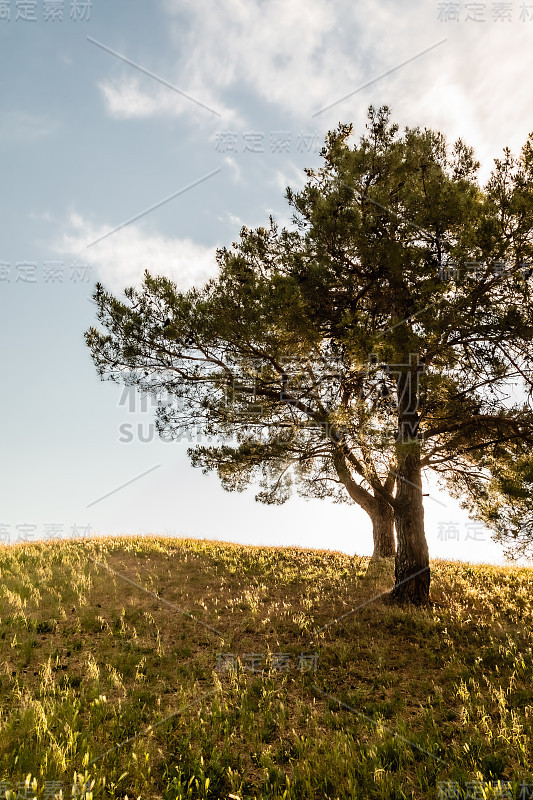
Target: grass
[(109, 682)]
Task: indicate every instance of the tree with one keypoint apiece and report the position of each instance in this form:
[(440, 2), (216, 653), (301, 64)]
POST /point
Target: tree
[(361, 340)]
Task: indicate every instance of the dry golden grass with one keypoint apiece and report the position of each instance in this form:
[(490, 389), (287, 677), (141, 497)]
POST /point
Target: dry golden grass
[(102, 638)]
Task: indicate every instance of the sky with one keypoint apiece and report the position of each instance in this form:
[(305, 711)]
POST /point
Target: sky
[(138, 135)]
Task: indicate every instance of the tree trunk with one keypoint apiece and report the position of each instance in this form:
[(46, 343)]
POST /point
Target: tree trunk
[(377, 508), (412, 573), (383, 530)]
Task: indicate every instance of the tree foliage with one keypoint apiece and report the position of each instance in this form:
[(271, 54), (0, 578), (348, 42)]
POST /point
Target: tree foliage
[(344, 356)]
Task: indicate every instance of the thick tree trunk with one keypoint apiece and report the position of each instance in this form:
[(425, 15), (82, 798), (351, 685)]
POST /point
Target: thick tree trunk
[(383, 530), (412, 555), (412, 574)]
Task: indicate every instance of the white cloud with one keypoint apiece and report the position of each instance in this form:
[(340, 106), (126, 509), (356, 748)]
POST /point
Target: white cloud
[(134, 95), (293, 177), (232, 43), (125, 99), (131, 97), (236, 171), (301, 57), (281, 50), (472, 86), (121, 259)]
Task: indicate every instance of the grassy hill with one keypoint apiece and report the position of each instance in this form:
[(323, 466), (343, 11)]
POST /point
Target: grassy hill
[(255, 675)]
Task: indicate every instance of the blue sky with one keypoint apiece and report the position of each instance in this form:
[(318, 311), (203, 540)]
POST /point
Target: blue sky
[(109, 109)]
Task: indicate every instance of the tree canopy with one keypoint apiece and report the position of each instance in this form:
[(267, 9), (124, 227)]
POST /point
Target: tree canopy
[(375, 339)]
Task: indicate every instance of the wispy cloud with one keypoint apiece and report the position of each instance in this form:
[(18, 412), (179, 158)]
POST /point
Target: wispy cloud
[(461, 87), (259, 50), (120, 260), (291, 176), (152, 75), (235, 169), (22, 126), (129, 97)]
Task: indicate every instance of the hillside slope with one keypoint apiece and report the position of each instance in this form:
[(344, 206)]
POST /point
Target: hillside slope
[(264, 673)]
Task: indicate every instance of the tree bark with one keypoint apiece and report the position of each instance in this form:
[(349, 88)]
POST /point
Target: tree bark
[(383, 530), (412, 574)]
